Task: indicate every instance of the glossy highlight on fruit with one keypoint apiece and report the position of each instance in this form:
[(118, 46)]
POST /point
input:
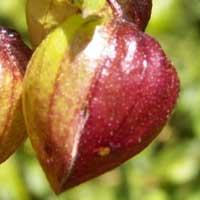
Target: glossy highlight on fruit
[(14, 56), (136, 11), (96, 93)]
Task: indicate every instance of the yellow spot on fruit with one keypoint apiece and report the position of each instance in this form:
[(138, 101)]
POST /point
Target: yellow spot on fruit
[(104, 151)]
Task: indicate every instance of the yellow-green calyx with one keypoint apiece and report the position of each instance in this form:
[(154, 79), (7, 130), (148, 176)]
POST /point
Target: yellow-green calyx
[(44, 15)]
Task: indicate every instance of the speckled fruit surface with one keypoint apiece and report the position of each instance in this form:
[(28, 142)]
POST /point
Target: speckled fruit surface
[(98, 101)]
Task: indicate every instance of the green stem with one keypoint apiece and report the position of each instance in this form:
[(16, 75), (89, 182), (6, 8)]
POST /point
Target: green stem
[(89, 6)]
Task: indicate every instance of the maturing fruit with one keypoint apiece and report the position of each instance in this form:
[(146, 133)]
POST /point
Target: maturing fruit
[(14, 55), (136, 11), (96, 93)]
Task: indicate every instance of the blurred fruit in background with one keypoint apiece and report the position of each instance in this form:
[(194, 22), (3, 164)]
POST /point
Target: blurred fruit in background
[(169, 169)]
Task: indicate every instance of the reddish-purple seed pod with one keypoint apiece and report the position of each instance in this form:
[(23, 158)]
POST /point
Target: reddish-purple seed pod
[(110, 97), (14, 56)]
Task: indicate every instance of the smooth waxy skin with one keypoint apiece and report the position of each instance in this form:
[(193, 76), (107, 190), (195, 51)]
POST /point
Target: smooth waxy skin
[(92, 103), (14, 56), (136, 11), (128, 104)]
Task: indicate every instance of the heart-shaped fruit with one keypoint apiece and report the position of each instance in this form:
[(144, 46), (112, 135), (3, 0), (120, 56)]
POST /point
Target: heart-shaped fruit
[(14, 56), (96, 93), (137, 11)]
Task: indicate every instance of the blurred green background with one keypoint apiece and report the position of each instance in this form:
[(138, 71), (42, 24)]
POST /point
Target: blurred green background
[(169, 169)]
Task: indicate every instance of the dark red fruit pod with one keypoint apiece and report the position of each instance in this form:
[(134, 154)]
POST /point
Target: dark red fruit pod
[(14, 56), (130, 101), (103, 101)]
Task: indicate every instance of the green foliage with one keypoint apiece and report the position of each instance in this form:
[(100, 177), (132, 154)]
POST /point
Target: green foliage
[(169, 169)]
